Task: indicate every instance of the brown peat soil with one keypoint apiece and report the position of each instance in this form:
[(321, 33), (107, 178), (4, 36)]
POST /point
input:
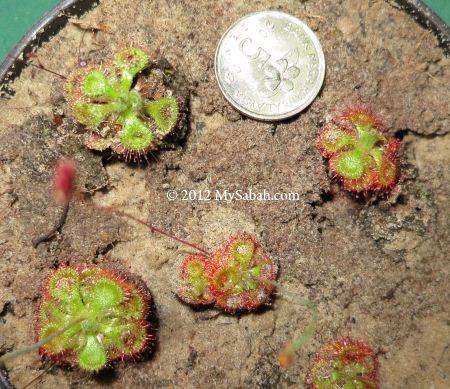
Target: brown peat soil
[(377, 271)]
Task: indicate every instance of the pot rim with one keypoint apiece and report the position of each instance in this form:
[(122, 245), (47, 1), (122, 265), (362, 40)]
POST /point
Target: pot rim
[(55, 19), (428, 19), (47, 26)]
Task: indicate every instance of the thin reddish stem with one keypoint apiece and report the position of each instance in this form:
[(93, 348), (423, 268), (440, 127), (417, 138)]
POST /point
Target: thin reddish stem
[(38, 66), (161, 232)]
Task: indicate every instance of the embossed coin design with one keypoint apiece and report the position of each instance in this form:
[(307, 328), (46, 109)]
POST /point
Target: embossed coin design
[(269, 65)]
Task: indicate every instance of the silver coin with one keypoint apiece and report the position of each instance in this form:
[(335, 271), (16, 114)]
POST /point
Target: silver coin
[(269, 65)]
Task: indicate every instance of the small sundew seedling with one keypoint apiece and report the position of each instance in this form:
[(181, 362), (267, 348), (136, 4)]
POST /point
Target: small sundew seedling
[(105, 313), (123, 109), (361, 154), (238, 277), (346, 364)]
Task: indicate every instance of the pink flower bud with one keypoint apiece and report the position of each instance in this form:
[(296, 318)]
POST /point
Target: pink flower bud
[(63, 182)]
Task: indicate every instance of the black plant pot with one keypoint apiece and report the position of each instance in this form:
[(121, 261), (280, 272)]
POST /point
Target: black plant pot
[(55, 19)]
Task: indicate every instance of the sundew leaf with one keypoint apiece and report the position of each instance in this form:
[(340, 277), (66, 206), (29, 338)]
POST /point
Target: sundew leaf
[(93, 357)]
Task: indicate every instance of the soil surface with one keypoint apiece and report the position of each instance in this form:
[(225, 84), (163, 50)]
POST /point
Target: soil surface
[(378, 271)]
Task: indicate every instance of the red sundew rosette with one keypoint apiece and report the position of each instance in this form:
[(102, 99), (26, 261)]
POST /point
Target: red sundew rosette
[(336, 137), (194, 281), (386, 175), (242, 283), (344, 353)]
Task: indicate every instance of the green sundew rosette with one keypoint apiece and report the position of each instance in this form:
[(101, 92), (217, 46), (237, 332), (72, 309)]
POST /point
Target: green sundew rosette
[(104, 99), (103, 323), (342, 376)]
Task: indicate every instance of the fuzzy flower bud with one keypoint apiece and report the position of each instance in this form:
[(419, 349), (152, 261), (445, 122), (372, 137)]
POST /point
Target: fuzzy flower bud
[(64, 181)]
